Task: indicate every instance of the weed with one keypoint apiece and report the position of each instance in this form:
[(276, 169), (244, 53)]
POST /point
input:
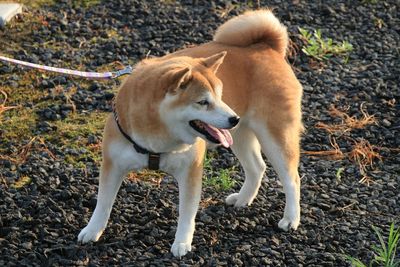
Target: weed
[(222, 180), (379, 23), (339, 174), (385, 252), (323, 48)]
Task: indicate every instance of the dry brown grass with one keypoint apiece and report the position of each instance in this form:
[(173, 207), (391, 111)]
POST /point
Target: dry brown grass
[(362, 153), (23, 153), (3, 106), (334, 154), (205, 203), (348, 122), (148, 176)]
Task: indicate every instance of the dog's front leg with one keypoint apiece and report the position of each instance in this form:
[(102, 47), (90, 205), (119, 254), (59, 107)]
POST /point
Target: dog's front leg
[(111, 177), (118, 158), (189, 179)]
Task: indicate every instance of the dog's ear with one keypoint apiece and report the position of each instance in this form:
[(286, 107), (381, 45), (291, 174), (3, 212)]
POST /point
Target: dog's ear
[(179, 79), (214, 61)]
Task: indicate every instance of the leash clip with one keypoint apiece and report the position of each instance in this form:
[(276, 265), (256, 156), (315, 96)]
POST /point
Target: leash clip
[(127, 70)]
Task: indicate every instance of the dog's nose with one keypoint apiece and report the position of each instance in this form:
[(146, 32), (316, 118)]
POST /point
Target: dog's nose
[(234, 120)]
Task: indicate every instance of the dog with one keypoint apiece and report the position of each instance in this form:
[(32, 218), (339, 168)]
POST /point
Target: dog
[(170, 107)]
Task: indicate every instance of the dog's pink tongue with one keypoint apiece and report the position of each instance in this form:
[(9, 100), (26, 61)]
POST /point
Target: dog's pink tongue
[(222, 135)]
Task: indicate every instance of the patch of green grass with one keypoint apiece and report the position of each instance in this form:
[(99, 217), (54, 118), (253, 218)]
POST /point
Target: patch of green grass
[(85, 3), (80, 126), (385, 252), (37, 3), (321, 48), (73, 132), (220, 180), (18, 124), (207, 161)]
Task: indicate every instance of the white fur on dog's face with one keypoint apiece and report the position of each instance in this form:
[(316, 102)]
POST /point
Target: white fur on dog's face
[(187, 104)]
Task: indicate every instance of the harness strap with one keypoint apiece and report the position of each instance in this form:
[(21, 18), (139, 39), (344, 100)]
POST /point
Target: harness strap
[(154, 161), (154, 158)]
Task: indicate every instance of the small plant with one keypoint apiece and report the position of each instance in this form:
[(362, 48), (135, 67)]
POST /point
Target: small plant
[(322, 48), (385, 253), (379, 23), (339, 174), (222, 181)]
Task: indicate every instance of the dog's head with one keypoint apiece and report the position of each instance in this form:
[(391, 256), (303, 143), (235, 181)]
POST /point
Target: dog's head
[(192, 106)]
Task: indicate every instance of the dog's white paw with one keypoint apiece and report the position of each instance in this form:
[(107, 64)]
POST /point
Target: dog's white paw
[(179, 249), (238, 200), (89, 234), (286, 224)]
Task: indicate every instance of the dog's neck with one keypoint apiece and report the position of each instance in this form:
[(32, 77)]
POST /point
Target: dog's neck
[(159, 144)]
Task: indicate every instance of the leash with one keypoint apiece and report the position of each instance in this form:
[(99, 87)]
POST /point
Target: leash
[(85, 74), (154, 158)]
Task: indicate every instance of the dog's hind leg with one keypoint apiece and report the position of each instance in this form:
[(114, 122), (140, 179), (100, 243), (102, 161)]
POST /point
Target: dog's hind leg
[(284, 154), (247, 149)]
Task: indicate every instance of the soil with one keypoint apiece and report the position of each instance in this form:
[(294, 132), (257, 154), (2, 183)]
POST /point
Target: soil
[(49, 144)]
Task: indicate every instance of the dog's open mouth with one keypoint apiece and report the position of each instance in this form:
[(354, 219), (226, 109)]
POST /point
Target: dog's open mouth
[(213, 134)]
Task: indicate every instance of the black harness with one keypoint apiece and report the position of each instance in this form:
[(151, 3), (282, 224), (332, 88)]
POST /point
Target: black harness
[(154, 158)]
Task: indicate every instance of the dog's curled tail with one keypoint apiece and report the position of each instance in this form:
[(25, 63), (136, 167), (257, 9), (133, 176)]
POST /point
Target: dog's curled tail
[(253, 27)]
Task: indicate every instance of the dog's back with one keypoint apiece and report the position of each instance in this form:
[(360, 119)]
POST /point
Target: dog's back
[(255, 74)]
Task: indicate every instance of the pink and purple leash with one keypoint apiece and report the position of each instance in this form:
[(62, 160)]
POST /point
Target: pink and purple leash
[(89, 75)]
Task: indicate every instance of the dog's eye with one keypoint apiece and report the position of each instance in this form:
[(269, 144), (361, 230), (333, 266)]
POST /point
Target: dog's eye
[(183, 86), (203, 103)]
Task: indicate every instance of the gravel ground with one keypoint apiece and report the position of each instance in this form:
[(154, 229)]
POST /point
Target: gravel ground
[(40, 219)]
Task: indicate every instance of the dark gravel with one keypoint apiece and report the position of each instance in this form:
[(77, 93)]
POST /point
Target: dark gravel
[(40, 222)]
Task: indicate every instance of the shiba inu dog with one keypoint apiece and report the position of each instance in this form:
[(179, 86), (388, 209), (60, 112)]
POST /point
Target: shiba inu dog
[(170, 106)]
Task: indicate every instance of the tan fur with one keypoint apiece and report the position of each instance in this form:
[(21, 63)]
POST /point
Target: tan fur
[(246, 58), (257, 81), (196, 170), (254, 27)]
